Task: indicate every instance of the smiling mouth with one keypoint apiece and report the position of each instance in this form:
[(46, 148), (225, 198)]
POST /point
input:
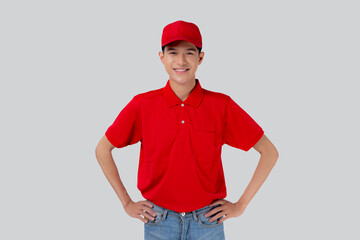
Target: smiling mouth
[(181, 70)]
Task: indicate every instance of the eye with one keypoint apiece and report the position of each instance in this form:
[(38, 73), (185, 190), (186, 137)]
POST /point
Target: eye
[(190, 53), (172, 52)]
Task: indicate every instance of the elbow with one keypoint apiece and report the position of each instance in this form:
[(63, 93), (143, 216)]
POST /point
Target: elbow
[(100, 151), (104, 146), (271, 153), (97, 152), (276, 153)]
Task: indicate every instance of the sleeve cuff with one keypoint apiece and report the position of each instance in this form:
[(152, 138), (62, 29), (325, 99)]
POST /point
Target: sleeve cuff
[(108, 136), (254, 141)]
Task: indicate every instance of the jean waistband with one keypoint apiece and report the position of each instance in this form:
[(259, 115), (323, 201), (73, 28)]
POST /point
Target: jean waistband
[(164, 211)]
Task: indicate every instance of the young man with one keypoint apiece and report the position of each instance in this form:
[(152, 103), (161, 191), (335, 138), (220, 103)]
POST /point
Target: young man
[(182, 128)]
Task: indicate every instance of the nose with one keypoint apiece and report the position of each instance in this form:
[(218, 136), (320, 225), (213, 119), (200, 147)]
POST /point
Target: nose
[(181, 59)]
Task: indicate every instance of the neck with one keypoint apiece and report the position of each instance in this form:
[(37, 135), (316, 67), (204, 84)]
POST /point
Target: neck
[(182, 90)]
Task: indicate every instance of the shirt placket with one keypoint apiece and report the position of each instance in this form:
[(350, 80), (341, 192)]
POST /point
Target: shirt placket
[(183, 123)]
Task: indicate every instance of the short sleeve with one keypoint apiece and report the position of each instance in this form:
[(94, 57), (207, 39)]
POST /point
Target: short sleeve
[(126, 129), (240, 129)]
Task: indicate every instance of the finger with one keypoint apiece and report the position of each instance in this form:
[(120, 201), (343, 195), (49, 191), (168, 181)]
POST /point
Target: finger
[(209, 213), (214, 203), (145, 214), (147, 203), (220, 214), (143, 219), (223, 219), (213, 211), (149, 210), (220, 201)]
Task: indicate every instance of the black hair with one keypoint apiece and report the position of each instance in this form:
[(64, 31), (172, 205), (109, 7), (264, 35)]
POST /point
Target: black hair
[(199, 49)]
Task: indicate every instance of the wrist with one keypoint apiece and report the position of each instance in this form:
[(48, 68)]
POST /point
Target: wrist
[(241, 205), (126, 200), (127, 203)]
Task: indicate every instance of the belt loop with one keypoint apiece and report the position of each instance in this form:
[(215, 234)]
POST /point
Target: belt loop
[(163, 217), (195, 216)]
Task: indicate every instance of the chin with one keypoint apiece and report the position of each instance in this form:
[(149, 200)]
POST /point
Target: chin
[(181, 80)]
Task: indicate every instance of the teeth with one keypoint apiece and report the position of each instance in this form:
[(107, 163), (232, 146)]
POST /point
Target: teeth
[(180, 70)]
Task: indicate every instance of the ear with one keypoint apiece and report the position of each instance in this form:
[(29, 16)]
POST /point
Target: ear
[(161, 55), (201, 57)]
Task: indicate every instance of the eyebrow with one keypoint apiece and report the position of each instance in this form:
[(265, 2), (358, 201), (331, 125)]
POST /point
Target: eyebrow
[(189, 49)]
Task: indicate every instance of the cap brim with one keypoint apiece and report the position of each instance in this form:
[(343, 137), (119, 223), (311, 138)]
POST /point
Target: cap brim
[(181, 38)]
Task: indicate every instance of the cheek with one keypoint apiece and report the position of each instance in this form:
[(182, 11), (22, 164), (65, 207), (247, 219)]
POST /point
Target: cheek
[(169, 69), (168, 64), (194, 67)]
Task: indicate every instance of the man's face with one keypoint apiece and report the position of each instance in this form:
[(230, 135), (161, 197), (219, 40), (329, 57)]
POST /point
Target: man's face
[(181, 60)]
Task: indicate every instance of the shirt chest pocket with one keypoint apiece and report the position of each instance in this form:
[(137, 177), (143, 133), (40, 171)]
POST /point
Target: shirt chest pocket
[(205, 145)]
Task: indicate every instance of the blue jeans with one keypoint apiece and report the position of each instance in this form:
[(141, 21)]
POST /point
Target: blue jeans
[(171, 225)]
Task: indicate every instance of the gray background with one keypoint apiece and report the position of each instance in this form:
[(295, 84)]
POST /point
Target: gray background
[(69, 67)]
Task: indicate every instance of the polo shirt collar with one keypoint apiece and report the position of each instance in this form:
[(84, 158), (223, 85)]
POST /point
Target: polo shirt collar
[(193, 99)]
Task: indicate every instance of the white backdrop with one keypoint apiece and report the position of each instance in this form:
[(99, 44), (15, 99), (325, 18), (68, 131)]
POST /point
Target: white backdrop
[(67, 68)]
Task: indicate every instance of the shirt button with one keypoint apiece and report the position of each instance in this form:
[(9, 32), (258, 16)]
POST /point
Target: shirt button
[(182, 104), (183, 213), (182, 121)]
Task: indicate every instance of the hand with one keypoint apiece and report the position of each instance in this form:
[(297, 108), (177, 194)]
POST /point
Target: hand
[(226, 209), (140, 208)]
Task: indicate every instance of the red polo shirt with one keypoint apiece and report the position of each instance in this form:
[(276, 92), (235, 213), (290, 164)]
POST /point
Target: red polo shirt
[(180, 165)]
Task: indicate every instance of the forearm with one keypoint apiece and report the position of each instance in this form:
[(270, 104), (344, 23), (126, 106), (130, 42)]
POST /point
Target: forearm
[(266, 163), (110, 170)]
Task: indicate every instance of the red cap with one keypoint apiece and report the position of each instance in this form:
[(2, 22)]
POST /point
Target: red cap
[(181, 30)]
